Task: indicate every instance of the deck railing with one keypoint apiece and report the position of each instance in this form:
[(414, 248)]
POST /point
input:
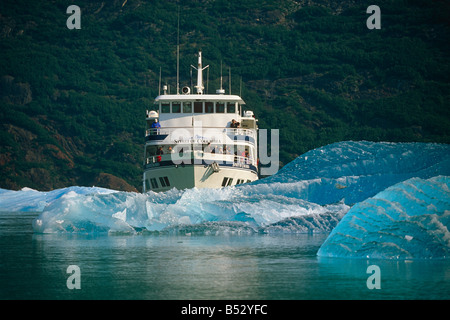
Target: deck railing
[(199, 157), (233, 133)]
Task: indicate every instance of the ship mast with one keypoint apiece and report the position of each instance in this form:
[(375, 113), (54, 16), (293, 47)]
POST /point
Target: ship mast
[(199, 69)]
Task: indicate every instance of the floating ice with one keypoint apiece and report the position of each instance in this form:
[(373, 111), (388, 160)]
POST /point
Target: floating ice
[(354, 171), (409, 220), (127, 212), (310, 194), (30, 200)]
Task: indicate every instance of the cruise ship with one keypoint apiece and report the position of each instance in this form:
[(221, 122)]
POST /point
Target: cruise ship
[(199, 140)]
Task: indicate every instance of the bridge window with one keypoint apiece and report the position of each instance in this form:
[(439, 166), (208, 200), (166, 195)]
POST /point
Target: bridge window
[(220, 107), (231, 107), (187, 107), (165, 107), (209, 107), (176, 107), (198, 107)]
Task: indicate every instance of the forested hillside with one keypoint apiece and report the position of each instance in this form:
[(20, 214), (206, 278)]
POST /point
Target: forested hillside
[(72, 102)]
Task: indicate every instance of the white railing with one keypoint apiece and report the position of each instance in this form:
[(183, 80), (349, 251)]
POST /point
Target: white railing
[(198, 157), (202, 132)]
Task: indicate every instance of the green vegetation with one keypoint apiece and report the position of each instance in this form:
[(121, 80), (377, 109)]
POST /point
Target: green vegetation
[(72, 101)]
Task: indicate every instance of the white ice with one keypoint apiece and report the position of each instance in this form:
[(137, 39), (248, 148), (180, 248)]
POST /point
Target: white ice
[(310, 194)]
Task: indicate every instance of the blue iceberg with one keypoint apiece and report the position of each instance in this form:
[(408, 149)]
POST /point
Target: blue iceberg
[(310, 194), (353, 171), (30, 200), (409, 220), (222, 210)]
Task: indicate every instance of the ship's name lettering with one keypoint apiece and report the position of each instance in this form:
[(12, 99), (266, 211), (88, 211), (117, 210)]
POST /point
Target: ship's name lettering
[(198, 141), (241, 165)]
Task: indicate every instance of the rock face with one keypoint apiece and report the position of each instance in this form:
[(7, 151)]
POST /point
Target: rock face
[(109, 181), (49, 162), (14, 92)]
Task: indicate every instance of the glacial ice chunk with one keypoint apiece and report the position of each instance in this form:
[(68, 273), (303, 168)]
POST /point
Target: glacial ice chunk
[(30, 200), (409, 220), (356, 170), (128, 211), (310, 194)]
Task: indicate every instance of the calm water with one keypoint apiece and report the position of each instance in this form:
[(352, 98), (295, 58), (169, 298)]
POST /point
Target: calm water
[(33, 266)]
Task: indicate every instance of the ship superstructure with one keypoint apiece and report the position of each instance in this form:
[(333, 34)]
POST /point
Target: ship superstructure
[(199, 140)]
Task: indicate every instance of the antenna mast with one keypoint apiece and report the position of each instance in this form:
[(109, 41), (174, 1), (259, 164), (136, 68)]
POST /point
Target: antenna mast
[(221, 82), (221, 90), (159, 87), (178, 52), (199, 69), (229, 71), (240, 87)]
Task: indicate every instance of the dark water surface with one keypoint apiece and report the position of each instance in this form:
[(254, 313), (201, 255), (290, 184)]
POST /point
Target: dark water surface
[(34, 266)]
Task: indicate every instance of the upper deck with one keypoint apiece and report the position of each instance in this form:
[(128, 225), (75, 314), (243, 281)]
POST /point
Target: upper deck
[(189, 112), (199, 97), (209, 110)]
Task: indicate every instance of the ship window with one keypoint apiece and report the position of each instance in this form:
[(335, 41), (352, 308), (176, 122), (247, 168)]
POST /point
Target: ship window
[(220, 107), (154, 183), (209, 107), (231, 107), (147, 184), (163, 184), (176, 107), (198, 107), (167, 181), (187, 107), (224, 182), (165, 107), (227, 182)]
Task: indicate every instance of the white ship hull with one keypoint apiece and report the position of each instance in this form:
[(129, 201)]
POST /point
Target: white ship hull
[(195, 176)]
